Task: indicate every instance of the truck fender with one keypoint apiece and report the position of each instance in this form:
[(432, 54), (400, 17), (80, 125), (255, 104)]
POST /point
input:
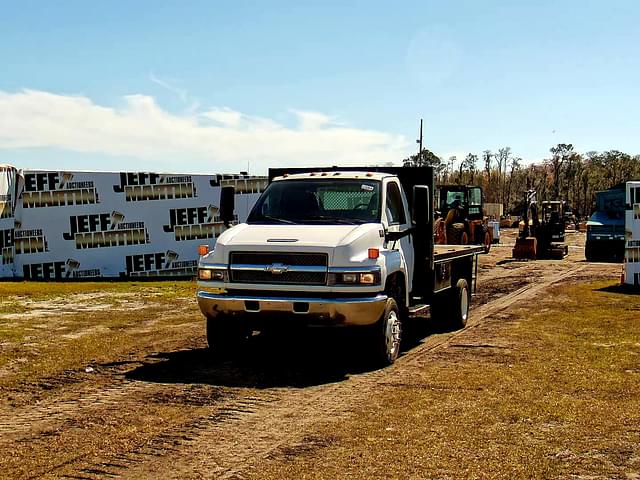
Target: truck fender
[(395, 285)]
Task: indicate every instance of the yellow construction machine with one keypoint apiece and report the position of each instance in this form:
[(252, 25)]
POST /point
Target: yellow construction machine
[(541, 236), (461, 217), (527, 243)]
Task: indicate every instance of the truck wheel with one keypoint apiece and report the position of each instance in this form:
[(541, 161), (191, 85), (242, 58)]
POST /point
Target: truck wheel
[(460, 299), (487, 241), (589, 252), (450, 309), (387, 334), (225, 334)]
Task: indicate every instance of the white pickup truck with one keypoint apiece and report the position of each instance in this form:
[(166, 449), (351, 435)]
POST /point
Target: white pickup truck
[(335, 247)]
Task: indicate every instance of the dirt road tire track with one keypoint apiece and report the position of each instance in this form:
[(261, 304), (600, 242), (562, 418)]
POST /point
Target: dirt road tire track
[(229, 441)]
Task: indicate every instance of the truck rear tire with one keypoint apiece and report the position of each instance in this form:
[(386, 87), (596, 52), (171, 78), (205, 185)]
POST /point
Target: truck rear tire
[(387, 335), (225, 334), (460, 300), (451, 308)]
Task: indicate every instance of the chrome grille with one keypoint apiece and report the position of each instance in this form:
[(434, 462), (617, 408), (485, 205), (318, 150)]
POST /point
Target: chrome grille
[(286, 258), (278, 268), (256, 276)]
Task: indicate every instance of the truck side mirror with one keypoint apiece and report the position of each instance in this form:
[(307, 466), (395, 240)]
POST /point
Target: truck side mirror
[(421, 205), (227, 204)]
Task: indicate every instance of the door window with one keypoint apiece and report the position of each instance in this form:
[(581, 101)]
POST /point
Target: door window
[(475, 201), (395, 208)]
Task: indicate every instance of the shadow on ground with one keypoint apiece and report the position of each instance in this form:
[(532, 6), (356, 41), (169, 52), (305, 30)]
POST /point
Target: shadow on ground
[(296, 359), (622, 289)]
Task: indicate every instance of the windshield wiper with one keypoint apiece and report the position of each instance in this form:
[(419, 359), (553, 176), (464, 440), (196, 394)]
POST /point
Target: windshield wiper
[(277, 219), (348, 221)]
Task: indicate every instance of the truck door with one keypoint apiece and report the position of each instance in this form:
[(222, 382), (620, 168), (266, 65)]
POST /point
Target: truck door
[(397, 219)]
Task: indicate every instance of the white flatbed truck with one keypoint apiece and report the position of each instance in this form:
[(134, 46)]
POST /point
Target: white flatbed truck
[(350, 247)]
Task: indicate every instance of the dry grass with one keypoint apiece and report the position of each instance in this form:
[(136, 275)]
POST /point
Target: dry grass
[(45, 290), (92, 438), (547, 392), (50, 328), (58, 331)]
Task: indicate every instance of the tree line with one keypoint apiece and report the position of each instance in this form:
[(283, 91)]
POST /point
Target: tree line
[(566, 175)]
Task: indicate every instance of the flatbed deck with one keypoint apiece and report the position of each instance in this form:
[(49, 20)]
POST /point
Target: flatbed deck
[(446, 252)]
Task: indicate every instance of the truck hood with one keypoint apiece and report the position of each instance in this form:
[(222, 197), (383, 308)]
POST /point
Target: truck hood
[(602, 218), (296, 235)]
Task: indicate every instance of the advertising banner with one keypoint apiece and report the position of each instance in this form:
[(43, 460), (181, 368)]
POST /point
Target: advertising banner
[(84, 225), (8, 193), (632, 234)]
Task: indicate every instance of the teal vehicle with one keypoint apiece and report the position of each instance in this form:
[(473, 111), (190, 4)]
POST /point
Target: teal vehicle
[(605, 228)]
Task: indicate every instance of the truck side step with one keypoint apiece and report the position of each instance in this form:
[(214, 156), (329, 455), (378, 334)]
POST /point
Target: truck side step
[(419, 309)]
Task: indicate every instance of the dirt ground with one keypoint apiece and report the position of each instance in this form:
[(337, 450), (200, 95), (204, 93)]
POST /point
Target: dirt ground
[(113, 380)]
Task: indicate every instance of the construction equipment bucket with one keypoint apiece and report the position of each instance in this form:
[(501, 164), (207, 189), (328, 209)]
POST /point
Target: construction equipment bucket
[(525, 248)]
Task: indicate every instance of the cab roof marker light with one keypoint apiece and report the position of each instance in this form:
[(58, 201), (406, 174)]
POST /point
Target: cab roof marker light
[(369, 174), (203, 250), (373, 253), (323, 174)]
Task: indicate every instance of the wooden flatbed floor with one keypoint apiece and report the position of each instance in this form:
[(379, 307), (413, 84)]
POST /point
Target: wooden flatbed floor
[(446, 252)]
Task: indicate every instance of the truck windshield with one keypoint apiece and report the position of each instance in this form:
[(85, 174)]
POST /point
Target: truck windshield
[(318, 201)]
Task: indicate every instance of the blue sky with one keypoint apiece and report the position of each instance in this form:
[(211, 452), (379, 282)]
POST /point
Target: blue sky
[(202, 86)]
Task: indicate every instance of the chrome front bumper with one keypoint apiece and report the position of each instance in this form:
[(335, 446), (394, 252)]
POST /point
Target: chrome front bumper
[(312, 310)]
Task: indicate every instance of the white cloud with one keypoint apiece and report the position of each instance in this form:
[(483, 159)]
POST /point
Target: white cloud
[(217, 139)]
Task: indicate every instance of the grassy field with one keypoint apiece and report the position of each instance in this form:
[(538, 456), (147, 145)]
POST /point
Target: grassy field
[(551, 390), (50, 328)]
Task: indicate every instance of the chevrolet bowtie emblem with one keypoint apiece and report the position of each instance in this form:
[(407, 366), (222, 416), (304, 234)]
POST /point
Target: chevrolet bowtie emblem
[(276, 268)]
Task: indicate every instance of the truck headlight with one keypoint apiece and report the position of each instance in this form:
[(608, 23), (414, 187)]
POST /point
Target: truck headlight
[(354, 278), (214, 274), (349, 277)]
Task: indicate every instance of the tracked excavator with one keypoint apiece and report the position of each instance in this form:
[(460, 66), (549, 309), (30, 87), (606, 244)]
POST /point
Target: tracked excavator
[(541, 230), (551, 240)]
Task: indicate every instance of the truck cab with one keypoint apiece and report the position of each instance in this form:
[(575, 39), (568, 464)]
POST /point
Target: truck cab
[(334, 247), (605, 229)]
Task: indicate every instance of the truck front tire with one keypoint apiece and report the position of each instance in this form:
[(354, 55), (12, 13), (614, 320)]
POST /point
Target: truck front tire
[(387, 335), (589, 252)]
